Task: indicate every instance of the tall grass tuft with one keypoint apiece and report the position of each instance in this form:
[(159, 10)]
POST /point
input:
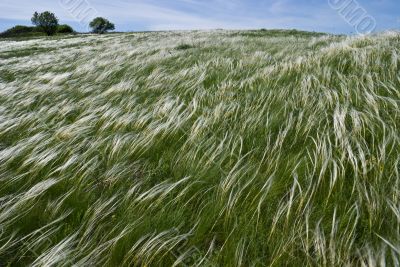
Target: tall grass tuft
[(259, 148)]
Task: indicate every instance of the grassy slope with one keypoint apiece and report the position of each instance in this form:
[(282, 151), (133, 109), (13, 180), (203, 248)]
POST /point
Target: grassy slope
[(218, 148)]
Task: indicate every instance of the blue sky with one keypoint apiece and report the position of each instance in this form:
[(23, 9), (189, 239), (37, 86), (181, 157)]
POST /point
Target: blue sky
[(143, 15)]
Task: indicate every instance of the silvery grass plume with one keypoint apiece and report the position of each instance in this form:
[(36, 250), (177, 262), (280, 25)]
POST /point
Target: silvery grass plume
[(201, 148)]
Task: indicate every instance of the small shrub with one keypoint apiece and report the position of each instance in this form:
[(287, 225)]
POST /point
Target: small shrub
[(65, 29)]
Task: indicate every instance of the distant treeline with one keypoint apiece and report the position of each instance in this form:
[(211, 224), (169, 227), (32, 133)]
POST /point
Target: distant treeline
[(47, 23), (32, 31)]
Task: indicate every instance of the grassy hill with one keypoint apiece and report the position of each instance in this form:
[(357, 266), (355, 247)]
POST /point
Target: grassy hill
[(221, 148)]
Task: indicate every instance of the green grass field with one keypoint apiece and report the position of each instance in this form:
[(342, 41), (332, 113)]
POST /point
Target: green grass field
[(218, 148)]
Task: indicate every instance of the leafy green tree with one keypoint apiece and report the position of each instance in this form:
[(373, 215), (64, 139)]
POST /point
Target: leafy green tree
[(46, 21), (101, 25)]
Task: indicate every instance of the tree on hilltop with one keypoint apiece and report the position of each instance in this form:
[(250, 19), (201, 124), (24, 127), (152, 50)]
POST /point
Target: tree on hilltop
[(46, 21), (101, 25)]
